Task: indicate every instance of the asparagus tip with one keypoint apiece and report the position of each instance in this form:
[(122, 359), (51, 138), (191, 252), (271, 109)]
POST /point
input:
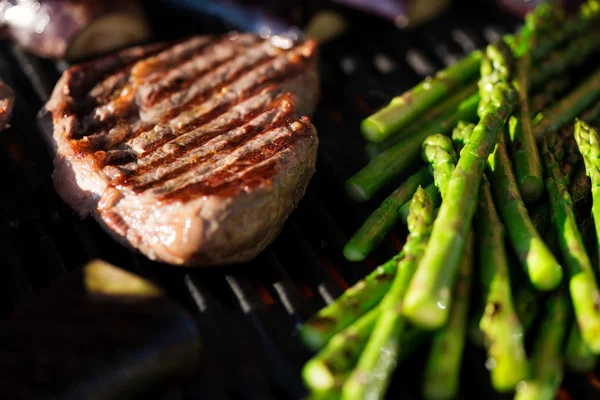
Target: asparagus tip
[(317, 376), (531, 189)]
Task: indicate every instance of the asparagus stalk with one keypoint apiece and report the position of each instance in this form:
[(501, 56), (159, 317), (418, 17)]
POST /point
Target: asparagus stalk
[(578, 355), (338, 357), (350, 306), (527, 163), (381, 221), (500, 324), (588, 140), (392, 162), (584, 290), (395, 160), (526, 301), (441, 119), (547, 358), (378, 360), (404, 109), (330, 367), (542, 268), (434, 120), (429, 296), (569, 107), (442, 370)]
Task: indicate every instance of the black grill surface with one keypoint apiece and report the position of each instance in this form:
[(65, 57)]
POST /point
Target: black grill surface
[(247, 314)]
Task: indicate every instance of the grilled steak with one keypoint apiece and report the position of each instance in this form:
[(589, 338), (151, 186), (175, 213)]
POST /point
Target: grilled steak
[(7, 98), (194, 153)]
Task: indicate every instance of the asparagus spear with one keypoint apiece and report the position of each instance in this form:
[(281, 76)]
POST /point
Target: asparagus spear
[(329, 368), (527, 163), (588, 140), (569, 107), (381, 221), (547, 358), (395, 160), (352, 304), (542, 268), (378, 360), (442, 118), (392, 162), (500, 324), (404, 109), (339, 355), (442, 370), (578, 355), (429, 295), (584, 290), (434, 119), (526, 301)]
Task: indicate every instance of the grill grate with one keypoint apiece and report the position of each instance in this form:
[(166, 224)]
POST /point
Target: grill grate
[(247, 314)]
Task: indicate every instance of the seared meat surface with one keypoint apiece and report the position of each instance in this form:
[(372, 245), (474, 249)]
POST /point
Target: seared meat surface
[(193, 153)]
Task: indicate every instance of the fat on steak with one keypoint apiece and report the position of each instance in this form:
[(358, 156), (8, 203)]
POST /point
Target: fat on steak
[(193, 152)]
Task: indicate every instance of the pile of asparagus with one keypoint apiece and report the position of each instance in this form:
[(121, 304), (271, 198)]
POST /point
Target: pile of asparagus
[(509, 151)]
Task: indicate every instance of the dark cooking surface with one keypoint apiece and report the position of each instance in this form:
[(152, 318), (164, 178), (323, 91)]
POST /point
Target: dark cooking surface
[(247, 314)]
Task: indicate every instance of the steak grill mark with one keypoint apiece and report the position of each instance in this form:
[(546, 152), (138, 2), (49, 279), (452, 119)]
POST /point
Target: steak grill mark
[(123, 123), (218, 183), (282, 76), (127, 112), (250, 132)]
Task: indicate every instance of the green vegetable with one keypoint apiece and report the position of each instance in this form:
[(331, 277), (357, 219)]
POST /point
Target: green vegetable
[(542, 268), (439, 119), (379, 357), (588, 140), (406, 108), (350, 306), (383, 219), (569, 107), (429, 296), (585, 295), (578, 355), (395, 160), (442, 370), (503, 332), (547, 357)]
